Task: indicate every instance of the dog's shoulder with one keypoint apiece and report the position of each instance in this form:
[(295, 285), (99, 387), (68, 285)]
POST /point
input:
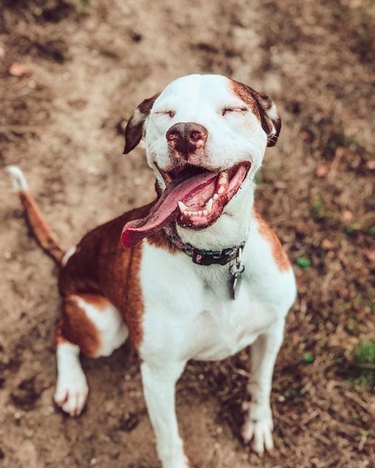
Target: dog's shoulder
[(98, 253)]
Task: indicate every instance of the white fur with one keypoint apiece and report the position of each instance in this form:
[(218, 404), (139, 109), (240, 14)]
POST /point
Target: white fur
[(69, 253), (159, 389), (203, 322), (109, 323), (272, 112), (189, 315), (71, 388), (18, 179)]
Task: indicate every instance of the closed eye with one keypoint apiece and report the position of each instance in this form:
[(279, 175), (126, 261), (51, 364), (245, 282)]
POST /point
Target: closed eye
[(169, 113), (228, 110)]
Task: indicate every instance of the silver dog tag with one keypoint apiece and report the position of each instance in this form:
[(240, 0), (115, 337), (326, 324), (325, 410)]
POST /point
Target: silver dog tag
[(235, 282), (236, 270)]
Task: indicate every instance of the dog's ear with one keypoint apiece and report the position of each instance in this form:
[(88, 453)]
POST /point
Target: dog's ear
[(263, 108), (134, 127), (272, 122)]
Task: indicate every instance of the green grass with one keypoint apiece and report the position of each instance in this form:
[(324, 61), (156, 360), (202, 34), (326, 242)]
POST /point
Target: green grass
[(304, 263), (308, 357), (364, 355), (364, 366)]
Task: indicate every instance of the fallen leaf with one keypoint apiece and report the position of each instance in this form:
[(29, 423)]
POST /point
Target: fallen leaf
[(370, 254), (327, 244), (346, 216), (322, 170), (20, 70)]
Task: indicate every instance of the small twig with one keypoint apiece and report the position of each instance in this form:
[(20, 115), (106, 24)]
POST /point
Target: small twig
[(367, 366), (359, 401), (363, 440), (309, 417), (320, 437)]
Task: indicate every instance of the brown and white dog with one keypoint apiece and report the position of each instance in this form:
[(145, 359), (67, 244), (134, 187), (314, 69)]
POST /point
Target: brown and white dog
[(198, 273)]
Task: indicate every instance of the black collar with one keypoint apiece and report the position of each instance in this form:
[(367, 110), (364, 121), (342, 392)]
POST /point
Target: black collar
[(205, 257)]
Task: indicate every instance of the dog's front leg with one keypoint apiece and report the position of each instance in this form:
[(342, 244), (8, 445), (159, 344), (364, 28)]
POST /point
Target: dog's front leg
[(159, 387), (258, 423)]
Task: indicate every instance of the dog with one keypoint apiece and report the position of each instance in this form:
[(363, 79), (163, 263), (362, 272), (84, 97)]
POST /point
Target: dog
[(196, 274)]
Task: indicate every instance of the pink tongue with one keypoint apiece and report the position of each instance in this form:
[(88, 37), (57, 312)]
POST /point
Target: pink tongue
[(165, 209)]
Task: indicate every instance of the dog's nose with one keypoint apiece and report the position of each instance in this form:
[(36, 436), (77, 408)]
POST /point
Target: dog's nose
[(186, 137)]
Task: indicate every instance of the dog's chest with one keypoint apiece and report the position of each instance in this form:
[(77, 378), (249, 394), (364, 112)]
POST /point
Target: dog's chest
[(224, 326), (192, 315)]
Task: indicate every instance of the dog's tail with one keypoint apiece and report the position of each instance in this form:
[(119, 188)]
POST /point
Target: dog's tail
[(43, 233)]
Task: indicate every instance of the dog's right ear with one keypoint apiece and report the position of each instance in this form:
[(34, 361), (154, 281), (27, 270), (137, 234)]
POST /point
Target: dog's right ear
[(134, 128)]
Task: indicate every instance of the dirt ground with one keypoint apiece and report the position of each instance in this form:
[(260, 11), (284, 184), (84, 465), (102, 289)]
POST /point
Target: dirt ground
[(88, 64)]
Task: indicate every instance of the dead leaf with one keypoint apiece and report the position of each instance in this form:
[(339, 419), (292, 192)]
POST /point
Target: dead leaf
[(370, 254), (327, 244), (20, 70), (322, 170), (346, 216)]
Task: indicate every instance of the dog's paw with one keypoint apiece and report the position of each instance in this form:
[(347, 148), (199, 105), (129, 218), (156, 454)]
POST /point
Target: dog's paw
[(260, 433), (71, 393), (174, 458)]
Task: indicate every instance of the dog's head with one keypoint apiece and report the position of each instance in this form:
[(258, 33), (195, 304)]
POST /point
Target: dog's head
[(204, 135)]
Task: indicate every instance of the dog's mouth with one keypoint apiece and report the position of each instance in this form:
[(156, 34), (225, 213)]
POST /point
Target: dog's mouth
[(194, 197)]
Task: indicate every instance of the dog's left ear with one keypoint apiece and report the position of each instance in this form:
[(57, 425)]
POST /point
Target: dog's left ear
[(270, 120), (134, 127), (263, 107)]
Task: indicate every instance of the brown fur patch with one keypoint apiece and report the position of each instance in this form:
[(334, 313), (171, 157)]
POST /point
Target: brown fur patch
[(146, 105), (46, 238), (101, 266), (133, 310), (77, 328), (269, 235), (260, 105), (247, 95), (99, 302)]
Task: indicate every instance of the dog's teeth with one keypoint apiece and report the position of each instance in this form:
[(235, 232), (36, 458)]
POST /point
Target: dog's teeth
[(209, 204), (215, 197), (205, 212), (200, 213), (221, 190), (182, 207), (223, 179)]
